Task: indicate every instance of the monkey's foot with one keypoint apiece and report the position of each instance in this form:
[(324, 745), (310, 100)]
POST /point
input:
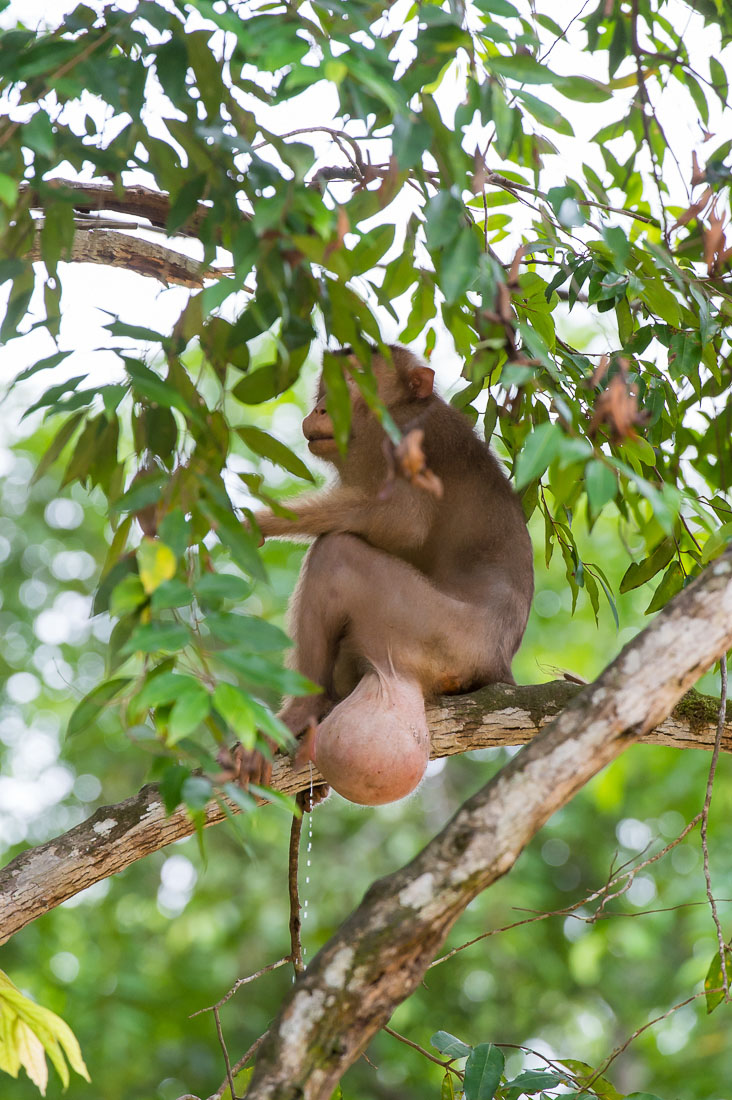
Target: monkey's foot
[(245, 766), (305, 754)]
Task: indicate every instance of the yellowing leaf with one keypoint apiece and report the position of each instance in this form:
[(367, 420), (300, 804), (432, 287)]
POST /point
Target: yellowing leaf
[(27, 1030), (31, 1055), (156, 563)]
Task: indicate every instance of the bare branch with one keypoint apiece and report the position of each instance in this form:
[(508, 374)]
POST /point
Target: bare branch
[(113, 249), (141, 202)]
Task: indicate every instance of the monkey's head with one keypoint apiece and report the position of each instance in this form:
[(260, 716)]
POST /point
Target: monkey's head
[(403, 382)]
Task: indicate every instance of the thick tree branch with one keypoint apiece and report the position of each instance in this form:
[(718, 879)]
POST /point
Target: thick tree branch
[(134, 253), (381, 952), (138, 201), (116, 836)]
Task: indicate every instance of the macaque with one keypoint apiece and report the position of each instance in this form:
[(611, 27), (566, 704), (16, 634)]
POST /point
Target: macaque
[(415, 586)]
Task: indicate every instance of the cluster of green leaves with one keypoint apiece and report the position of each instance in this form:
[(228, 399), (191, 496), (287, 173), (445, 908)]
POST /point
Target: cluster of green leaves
[(483, 1076), (233, 183), (180, 655)]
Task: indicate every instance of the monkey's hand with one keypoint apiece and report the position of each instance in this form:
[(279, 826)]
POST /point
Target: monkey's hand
[(408, 460)]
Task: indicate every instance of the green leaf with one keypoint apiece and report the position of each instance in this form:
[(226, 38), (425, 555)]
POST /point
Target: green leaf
[(539, 449), (337, 398), (601, 483), (673, 582), (60, 440), (142, 492), (158, 638), (234, 706), (215, 587), (719, 80), (449, 1045), (531, 1080), (162, 687), (52, 394), (638, 573), (173, 593), (175, 531), (458, 264), (247, 631), (443, 215), (483, 1071), (8, 190), (196, 792), (412, 137), (545, 113), (370, 249), (189, 710), (235, 538), (126, 596), (523, 68), (717, 542), (582, 89), (171, 786), (268, 447), (497, 7), (86, 712), (263, 384)]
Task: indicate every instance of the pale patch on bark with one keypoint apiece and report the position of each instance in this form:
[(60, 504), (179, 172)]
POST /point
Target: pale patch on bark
[(336, 973), (418, 893)]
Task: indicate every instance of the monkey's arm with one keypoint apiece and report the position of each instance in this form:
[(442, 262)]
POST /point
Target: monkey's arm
[(399, 522)]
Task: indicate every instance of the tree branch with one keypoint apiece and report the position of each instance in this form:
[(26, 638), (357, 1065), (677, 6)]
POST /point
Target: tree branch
[(380, 954), (113, 249), (116, 836), (140, 202)]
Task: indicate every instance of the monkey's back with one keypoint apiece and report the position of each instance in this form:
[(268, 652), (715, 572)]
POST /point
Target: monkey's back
[(479, 545)]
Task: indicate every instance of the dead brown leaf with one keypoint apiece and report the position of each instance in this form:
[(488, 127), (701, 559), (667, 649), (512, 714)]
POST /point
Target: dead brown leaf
[(617, 408), (698, 175), (600, 370), (716, 251), (694, 210)]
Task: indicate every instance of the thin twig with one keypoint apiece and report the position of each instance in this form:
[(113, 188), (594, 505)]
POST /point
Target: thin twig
[(646, 106), (227, 1063), (238, 1067), (421, 1050), (705, 823), (239, 983), (292, 875), (669, 1012), (570, 910)]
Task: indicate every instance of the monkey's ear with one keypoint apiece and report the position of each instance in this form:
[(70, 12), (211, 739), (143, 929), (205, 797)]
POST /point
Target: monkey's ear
[(421, 381)]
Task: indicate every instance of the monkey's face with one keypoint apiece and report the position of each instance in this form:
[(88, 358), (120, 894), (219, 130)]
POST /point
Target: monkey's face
[(317, 427)]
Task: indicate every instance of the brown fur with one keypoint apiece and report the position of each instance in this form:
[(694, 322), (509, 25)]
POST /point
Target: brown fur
[(435, 589)]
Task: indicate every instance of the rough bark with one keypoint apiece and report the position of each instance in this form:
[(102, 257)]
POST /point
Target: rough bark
[(116, 836), (133, 253), (380, 954), (138, 201)]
